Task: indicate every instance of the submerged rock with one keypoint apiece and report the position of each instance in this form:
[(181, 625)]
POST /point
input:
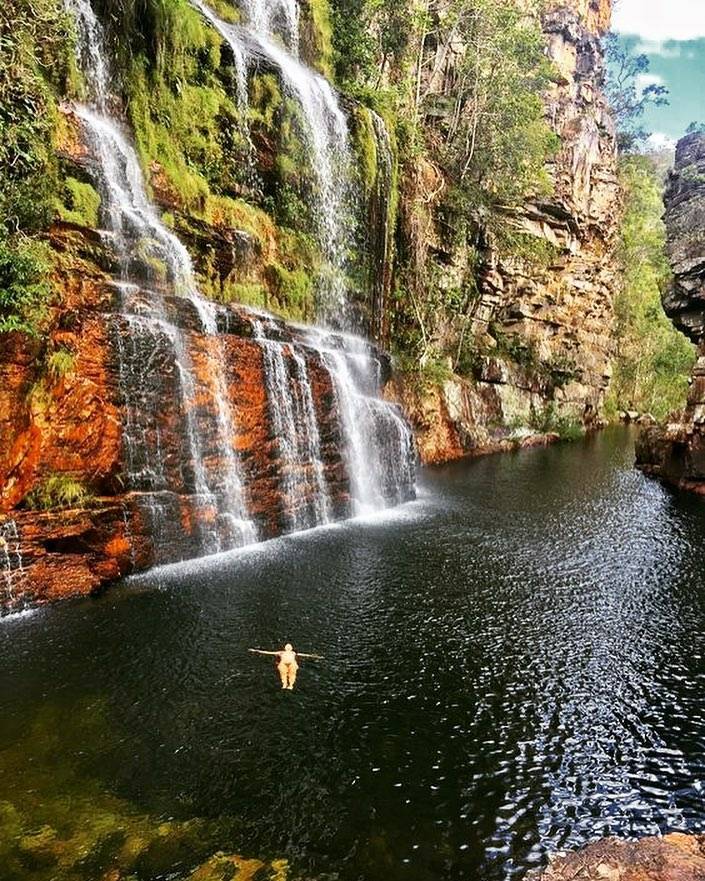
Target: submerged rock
[(675, 857)]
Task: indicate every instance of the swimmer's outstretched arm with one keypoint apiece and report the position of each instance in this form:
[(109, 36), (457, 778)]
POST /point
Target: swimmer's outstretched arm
[(304, 655), (262, 652)]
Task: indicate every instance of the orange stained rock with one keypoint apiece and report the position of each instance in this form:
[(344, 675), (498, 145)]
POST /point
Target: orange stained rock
[(675, 857)]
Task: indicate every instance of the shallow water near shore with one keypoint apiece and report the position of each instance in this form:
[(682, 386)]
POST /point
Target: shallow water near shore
[(513, 664)]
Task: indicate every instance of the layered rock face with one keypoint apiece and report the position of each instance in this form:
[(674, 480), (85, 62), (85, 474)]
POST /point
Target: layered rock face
[(561, 314), (116, 423), (674, 857), (676, 452)]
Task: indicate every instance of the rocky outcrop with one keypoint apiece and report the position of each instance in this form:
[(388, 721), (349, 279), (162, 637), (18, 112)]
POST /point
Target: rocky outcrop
[(564, 312), (675, 857), (70, 423), (459, 417), (676, 452), (543, 333)]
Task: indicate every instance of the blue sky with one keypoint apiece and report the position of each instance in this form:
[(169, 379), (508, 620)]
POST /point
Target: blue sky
[(672, 34)]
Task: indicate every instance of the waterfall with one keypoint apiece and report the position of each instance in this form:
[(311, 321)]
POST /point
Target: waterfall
[(379, 445), (295, 429), (150, 345), (280, 17), (331, 445), (11, 566), (326, 136)]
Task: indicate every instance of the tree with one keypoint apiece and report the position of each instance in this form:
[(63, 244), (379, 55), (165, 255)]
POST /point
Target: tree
[(497, 140), (628, 100)]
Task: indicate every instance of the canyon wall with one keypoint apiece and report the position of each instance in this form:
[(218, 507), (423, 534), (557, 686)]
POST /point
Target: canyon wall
[(161, 411), (676, 452), (543, 334)]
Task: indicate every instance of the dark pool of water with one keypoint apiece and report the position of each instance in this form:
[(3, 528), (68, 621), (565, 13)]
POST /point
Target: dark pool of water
[(513, 664)]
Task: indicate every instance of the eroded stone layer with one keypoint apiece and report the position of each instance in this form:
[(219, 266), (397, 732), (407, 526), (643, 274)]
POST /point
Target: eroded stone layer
[(110, 417), (675, 857), (676, 452), (542, 330)]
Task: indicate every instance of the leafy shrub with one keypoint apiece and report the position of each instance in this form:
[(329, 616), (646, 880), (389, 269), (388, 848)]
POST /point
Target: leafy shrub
[(24, 286), (549, 421), (60, 363), (57, 492)]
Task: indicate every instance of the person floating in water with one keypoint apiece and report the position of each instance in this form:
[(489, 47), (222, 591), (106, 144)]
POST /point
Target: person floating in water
[(287, 664)]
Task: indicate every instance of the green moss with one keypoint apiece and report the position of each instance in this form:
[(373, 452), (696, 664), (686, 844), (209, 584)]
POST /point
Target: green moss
[(226, 11), (294, 291), (365, 146), (58, 492), (265, 99), (80, 203), (252, 294), (60, 363), (238, 214), (317, 35)]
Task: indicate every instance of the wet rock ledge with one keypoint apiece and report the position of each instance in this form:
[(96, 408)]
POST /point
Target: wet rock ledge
[(675, 857)]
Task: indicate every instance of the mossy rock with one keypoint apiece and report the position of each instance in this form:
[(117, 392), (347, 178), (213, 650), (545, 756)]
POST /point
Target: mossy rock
[(316, 36), (80, 203), (39, 848)]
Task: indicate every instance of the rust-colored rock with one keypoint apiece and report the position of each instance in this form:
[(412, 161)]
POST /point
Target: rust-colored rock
[(675, 857), (72, 419)]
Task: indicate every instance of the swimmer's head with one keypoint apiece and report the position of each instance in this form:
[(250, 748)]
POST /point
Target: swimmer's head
[(288, 647)]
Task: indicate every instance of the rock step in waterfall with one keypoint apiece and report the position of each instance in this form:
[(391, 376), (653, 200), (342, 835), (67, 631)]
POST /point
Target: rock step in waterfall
[(235, 426)]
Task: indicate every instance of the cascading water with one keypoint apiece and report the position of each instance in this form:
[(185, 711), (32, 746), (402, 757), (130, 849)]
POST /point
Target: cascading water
[(379, 445), (275, 17), (331, 446), (150, 345), (295, 428), (326, 137), (11, 566)]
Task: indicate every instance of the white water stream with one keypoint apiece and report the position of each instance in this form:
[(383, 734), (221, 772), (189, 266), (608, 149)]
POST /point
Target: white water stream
[(151, 255), (164, 330)]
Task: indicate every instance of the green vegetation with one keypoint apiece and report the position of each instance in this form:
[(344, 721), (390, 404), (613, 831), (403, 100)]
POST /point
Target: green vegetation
[(57, 492), (25, 264), (497, 140), (317, 35), (654, 360), (80, 203), (549, 421), (60, 363), (35, 52)]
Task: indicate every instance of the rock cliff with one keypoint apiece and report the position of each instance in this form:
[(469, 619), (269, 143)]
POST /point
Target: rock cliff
[(676, 452), (546, 331), (121, 421), (76, 427)]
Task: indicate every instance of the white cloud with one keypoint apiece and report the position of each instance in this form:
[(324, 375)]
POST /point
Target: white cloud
[(644, 80), (660, 20), (659, 141), (660, 47)]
